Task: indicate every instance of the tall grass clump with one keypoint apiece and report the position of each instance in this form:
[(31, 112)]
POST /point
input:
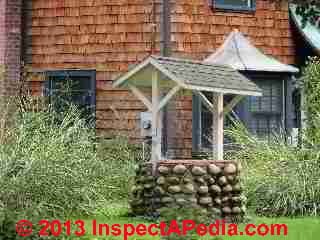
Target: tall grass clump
[(311, 102), (52, 165), (279, 179)]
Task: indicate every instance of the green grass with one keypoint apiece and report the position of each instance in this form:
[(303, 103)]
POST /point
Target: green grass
[(298, 228)]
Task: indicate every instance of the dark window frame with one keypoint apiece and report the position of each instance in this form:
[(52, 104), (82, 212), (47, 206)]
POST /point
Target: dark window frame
[(219, 5), (91, 74)]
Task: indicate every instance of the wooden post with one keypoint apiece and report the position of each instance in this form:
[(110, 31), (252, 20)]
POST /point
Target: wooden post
[(218, 126), (156, 121)]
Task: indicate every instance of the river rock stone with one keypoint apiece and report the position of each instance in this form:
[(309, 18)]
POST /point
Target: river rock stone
[(174, 189), (160, 190), (225, 199), (167, 200), (215, 188), (226, 210), (237, 187), (236, 199), (148, 186), (222, 181), (217, 200), (161, 180), (227, 188), (188, 188), (205, 200), (214, 169), (192, 200), (181, 201), (163, 170), (148, 194), (230, 169), (231, 178), (135, 189), (203, 190), (179, 169), (173, 180), (200, 180), (187, 180), (211, 180), (236, 210), (198, 171)]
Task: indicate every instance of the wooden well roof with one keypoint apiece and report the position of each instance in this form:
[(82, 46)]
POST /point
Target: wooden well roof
[(189, 74)]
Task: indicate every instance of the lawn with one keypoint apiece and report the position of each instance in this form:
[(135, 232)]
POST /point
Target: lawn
[(298, 228)]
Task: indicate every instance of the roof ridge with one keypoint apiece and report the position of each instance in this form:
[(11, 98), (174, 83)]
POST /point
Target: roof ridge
[(192, 61)]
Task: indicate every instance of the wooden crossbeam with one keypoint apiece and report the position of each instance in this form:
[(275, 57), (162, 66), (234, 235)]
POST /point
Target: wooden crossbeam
[(141, 97), (169, 95), (205, 101), (232, 104)]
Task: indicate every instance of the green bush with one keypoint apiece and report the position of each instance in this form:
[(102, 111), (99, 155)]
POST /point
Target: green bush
[(311, 99), (51, 169), (279, 179)]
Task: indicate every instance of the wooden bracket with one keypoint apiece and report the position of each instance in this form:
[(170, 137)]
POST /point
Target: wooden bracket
[(232, 104), (169, 95), (206, 101), (141, 97)]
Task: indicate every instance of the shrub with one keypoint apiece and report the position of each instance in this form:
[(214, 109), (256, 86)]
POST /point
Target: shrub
[(55, 169), (279, 179), (311, 98)]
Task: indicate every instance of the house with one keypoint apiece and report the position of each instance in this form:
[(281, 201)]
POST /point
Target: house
[(92, 42)]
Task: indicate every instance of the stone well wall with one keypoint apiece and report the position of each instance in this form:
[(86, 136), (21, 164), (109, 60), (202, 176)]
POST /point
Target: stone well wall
[(211, 185)]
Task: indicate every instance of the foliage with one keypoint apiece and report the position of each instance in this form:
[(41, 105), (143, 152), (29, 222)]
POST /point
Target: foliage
[(279, 179), (311, 99), (52, 169), (309, 11)]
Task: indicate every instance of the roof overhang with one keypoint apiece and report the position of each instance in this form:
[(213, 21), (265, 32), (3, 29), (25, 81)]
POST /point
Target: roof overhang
[(173, 71)]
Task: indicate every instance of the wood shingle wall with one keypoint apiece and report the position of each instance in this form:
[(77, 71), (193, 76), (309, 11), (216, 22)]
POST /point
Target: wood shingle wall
[(105, 35)]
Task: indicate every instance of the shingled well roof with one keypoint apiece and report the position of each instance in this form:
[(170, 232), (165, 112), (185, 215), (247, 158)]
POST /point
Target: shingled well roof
[(189, 74)]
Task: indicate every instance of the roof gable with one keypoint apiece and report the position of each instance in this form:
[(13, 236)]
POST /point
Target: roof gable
[(238, 53)]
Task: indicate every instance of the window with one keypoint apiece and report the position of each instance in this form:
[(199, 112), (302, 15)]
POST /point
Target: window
[(72, 87), (266, 111), (246, 5)]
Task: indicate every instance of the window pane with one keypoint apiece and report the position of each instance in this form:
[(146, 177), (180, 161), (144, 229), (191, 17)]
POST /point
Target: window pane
[(271, 101), (235, 3), (65, 89)]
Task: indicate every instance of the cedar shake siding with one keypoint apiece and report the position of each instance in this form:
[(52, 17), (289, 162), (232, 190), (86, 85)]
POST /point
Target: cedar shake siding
[(108, 36)]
